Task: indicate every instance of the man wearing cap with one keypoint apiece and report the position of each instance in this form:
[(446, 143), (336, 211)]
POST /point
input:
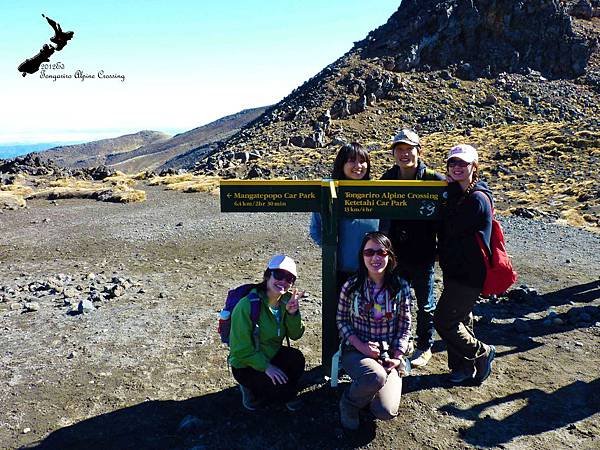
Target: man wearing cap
[(414, 241)]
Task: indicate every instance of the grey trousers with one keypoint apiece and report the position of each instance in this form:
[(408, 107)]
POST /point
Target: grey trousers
[(453, 321), (372, 385)]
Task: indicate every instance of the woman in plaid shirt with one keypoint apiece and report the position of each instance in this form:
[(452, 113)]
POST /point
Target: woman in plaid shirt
[(373, 318)]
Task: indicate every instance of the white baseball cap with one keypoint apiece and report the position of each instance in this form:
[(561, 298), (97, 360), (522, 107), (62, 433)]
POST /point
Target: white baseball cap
[(283, 262), (463, 151)]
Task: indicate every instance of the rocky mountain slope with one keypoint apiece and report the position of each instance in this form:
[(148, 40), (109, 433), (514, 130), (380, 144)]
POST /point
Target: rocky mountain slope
[(518, 79)]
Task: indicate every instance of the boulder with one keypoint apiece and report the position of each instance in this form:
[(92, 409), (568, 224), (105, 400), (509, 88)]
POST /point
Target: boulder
[(340, 109), (85, 306), (32, 306)]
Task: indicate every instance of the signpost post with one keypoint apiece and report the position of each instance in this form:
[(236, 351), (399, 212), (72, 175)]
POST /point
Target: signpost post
[(334, 200)]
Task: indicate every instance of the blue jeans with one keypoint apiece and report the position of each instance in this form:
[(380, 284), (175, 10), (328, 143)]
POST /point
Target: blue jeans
[(421, 278)]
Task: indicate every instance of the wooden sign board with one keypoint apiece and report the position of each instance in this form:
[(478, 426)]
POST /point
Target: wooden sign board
[(270, 196), (409, 200)]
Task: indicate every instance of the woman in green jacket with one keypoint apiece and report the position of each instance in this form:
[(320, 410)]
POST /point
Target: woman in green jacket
[(264, 368)]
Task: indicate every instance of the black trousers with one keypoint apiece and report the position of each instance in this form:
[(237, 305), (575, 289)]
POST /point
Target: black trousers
[(290, 361), (453, 321)]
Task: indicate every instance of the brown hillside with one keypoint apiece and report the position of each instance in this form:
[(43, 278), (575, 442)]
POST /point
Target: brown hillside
[(95, 153), (168, 153)]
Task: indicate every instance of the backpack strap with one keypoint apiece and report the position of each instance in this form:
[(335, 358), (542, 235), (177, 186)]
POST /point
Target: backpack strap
[(255, 304), (429, 174), (488, 200), (492, 213)]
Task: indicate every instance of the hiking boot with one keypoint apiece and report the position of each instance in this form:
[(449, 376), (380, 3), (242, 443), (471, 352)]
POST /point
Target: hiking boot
[(349, 415), (249, 399), (421, 358), (294, 405), (459, 376), (483, 364)]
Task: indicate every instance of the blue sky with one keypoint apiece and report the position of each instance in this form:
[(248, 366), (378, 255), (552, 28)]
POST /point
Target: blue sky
[(185, 63)]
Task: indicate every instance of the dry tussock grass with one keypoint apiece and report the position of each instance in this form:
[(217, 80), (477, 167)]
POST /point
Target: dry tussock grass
[(117, 188), (145, 175), (170, 179), (124, 196), (198, 183), (17, 189), (120, 179), (277, 160), (576, 219), (11, 200), (71, 183)]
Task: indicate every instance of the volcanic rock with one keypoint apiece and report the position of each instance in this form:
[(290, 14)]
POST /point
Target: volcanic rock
[(490, 36)]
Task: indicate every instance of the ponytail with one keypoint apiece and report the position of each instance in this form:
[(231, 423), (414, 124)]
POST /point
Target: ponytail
[(474, 181)]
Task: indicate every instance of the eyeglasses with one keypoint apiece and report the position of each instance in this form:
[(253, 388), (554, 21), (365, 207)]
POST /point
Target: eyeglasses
[(458, 162), (282, 275), (369, 252)]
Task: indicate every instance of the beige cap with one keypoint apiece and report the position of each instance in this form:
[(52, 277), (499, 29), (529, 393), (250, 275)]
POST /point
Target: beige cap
[(406, 136)]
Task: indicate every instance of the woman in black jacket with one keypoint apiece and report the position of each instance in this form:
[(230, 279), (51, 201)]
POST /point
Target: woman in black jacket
[(466, 214)]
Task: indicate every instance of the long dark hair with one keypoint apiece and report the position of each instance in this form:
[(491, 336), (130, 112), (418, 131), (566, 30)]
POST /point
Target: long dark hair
[(350, 152), (390, 279)]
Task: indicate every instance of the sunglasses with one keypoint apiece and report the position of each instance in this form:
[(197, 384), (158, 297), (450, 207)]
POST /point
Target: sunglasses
[(458, 162), (369, 252), (282, 275)]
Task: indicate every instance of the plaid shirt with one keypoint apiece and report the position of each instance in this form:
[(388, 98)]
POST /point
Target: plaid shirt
[(355, 315)]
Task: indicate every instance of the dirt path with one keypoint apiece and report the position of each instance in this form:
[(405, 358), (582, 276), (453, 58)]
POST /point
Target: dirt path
[(128, 373)]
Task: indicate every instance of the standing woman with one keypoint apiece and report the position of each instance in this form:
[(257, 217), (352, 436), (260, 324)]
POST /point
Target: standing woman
[(352, 162), (467, 213), (264, 368), (373, 318)]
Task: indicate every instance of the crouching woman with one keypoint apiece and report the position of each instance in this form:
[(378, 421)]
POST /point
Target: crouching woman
[(373, 318), (265, 369)]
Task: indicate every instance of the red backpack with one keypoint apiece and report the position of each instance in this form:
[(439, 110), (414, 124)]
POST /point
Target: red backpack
[(500, 274)]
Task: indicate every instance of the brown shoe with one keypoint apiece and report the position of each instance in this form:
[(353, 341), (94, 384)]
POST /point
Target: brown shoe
[(349, 414)]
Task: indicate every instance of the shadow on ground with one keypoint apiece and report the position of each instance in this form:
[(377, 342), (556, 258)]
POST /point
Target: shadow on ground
[(219, 421), (506, 334), (542, 412)]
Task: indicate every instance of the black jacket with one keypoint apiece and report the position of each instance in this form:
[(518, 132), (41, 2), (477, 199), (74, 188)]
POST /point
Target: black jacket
[(462, 218), (414, 241)]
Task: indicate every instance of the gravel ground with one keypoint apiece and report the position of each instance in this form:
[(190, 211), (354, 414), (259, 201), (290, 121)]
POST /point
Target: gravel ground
[(145, 369)]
